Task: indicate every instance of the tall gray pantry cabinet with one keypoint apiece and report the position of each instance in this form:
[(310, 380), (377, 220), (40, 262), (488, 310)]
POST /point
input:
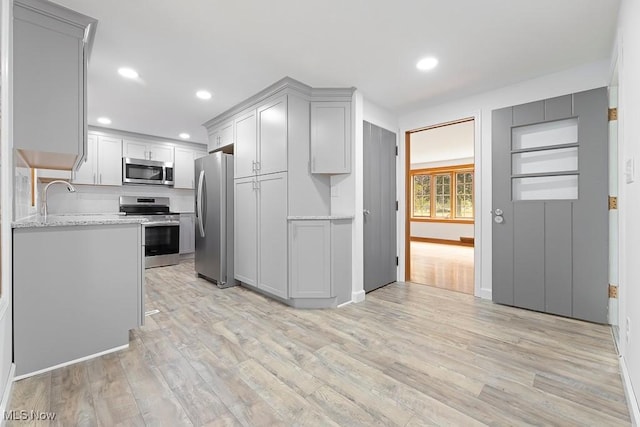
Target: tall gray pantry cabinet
[(275, 142)]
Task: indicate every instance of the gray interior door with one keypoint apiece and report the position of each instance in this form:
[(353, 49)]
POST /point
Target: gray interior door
[(550, 223), (380, 266)]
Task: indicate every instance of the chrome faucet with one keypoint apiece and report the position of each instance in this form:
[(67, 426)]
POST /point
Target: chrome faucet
[(70, 187)]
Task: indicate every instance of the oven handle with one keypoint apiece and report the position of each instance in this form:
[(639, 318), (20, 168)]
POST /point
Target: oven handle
[(199, 203), (162, 224)]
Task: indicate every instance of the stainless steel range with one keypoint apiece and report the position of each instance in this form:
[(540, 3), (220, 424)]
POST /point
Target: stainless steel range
[(162, 231)]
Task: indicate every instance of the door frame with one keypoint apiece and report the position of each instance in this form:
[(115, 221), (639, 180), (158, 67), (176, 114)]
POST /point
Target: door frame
[(477, 196)]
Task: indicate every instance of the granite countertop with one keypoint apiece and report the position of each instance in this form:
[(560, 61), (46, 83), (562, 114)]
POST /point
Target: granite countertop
[(65, 220), (318, 217)]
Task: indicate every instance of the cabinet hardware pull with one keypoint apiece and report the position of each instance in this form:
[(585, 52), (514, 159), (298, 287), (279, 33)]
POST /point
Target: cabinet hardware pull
[(94, 177), (100, 178)]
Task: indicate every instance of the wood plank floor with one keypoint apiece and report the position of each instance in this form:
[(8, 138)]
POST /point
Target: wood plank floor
[(409, 355), (443, 266)]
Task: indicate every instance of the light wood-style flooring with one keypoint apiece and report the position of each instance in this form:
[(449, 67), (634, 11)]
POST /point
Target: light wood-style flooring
[(409, 355), (443, 266)]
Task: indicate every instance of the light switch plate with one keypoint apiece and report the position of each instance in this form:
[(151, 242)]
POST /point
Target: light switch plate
[(629, 170), (335, 192)]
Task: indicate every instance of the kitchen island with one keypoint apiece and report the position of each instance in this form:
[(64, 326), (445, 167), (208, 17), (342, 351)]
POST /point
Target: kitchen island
[(78, 288)]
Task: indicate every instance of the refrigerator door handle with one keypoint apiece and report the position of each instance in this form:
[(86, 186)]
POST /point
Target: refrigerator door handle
[(199, 203)]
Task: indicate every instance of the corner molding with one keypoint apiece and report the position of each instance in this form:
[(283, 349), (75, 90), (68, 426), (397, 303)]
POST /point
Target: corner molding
[(357, 296)]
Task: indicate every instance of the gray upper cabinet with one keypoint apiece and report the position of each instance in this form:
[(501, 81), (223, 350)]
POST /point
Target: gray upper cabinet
[(246, 145), (221, 136), (50, 50), (272, 136), (330, 137)]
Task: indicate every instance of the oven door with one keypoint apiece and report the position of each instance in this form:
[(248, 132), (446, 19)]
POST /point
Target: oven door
[(162, 238)]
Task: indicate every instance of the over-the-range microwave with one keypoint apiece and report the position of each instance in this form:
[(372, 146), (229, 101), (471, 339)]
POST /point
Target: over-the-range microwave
[(138, 171)]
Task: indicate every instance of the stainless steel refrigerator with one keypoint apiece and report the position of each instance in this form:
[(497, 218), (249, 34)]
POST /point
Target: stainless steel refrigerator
[(214, 218)]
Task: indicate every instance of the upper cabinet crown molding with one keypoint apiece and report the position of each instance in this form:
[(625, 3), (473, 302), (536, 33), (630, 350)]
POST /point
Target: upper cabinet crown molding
[(288, 85)]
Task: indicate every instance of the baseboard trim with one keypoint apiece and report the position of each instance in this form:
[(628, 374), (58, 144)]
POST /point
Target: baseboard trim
[(7, 392), (632, 400), (62, 365), (357, 296), (486, 294), (441, 241), (344, 304)]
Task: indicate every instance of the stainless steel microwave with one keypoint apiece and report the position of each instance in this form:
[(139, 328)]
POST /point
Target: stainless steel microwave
[(138, 171)]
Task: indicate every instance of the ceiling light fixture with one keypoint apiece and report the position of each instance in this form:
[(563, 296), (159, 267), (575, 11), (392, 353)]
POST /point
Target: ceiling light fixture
[(203, 94), (426, 64), (104, 120), (129, 73), (184, 135)]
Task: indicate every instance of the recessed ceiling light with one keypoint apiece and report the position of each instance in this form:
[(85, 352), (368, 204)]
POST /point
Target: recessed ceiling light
[(184, 135), (104, 120), (203, 94), (129, 73), (426, 64)]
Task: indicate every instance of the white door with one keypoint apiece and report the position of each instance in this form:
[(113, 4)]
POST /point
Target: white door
[(245, 230), (134, 149), (109, 160), (244, 149), (272, 230), (272, 136), (183, 172)]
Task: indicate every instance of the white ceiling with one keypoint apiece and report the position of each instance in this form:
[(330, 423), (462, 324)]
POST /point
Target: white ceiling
[(236, 48), (443, 143)]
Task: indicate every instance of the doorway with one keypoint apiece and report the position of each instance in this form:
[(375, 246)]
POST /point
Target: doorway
[(440, 176)]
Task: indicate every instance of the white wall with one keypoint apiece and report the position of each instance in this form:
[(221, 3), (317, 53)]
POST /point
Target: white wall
[(628, 60), (480, 106)]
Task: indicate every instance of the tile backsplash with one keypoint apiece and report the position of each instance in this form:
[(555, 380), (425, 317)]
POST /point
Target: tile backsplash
[(22, 190), (105, 199)]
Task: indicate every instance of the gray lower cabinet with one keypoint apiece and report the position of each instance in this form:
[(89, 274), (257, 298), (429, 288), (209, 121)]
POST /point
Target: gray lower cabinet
[(260, 233), (77, 291), (50, 52), (187, 233), (319, 262), (310, 259)]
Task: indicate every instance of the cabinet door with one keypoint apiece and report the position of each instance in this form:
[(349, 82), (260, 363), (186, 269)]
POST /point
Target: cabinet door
[(330, 137), (160, 153), (272, 229), (86, 173), (183, 172), (187, 233), (134, 149), (244, 150), (310, 259), (272, 136), (245, 231), (109, 161), (226, 134), (48, 86)]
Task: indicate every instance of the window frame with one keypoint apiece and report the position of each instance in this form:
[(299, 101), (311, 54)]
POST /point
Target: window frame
[(451, 171)]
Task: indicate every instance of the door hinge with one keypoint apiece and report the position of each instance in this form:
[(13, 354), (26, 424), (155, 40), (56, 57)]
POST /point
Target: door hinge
[(397, 261), (613, 202), (613, 114), (396, 205), (613, 291), (396, 150)]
